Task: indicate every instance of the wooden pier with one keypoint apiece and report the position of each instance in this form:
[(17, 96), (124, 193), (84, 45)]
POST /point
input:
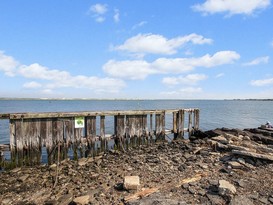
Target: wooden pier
[(85, 133)]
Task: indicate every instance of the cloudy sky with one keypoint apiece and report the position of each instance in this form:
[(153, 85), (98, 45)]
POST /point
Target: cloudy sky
[(200, 49)]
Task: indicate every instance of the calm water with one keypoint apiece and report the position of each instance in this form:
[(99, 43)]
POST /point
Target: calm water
[(213, 113)]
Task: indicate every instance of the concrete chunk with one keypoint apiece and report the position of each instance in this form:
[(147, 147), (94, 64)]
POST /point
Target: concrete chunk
[(81, 200), (131, 182)]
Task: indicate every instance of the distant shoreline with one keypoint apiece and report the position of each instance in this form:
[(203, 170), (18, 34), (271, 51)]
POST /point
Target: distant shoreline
[(123, 99)]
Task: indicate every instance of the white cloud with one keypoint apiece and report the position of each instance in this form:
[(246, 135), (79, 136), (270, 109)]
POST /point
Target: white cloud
[(98, 9), (59, 79), (100, 19), (32, 84), (183, 92), (157, 44), (134, 70), (7, 64), (190, 79), (37, 71), (231, 7), (53, 78), (140, 69), (138, 25), (116, 16), (263, 82), (257, 61), (219, 75)]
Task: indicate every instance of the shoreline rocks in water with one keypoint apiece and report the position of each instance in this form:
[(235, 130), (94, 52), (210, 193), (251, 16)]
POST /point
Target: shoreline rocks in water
[(221, 166)]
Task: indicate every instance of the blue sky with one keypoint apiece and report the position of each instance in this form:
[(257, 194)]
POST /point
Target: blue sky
[(155, 49)]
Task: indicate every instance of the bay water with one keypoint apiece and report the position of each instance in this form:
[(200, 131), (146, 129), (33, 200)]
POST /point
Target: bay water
[(213, 113)]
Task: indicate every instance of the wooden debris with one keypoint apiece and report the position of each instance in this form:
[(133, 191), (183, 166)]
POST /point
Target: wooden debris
[(141, 194), (253, 154), (197, 177)]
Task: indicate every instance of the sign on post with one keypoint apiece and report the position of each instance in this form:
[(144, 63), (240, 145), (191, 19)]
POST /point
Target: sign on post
[(79, 122)]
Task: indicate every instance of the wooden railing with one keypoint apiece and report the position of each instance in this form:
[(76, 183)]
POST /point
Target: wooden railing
[(85, 134)]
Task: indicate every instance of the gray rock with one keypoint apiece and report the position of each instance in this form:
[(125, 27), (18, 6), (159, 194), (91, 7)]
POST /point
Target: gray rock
[(225, 188), (157, 199), (241, 200)]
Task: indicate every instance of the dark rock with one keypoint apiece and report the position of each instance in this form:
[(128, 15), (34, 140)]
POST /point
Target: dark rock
[(263, 200), (157, 199), (254, 196), (191, 190), (182, 167), (241, 200), (241, 183), (66, 199), (270, 199), (215, 199)]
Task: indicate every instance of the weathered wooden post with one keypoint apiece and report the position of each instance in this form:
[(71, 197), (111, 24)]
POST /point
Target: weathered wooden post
[(175, 125), (12, 142), (190, 123), (102, 133), (196, 119), (119, 130), (90, 134), (181, 123), (160, 126), (151, 131)]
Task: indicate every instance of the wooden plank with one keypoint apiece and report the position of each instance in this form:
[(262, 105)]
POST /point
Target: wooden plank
[(102, 134), (91, 133), (151, 131), (144, 129), (19, 132), (158, 127), (34, 141), (85, 114), (12, 140), (196, 119), (119, 130), (181, 123), (190, 123), (174, 122)]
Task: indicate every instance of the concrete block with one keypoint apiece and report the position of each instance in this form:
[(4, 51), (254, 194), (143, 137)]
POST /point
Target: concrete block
[(131, 182)]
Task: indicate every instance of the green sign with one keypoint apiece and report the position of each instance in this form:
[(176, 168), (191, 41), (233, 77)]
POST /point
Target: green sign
[(79, 122)]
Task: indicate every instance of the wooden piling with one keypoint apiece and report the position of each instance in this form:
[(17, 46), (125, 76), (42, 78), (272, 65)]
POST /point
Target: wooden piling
[(29, 132)]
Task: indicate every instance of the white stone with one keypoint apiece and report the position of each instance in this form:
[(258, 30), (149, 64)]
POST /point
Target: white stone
[(82, 200), (226, 188), (131, 182)]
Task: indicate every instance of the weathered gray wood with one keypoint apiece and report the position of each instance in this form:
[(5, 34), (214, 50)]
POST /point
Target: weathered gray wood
[(29, 132), (190, 123), (160, 125), (19, 132), (196, 119), (119, 130), (144, 129), (181, 123), (90, 133), (175, 125), (102, 134), (12, 140), (253, 154), (85, 114)]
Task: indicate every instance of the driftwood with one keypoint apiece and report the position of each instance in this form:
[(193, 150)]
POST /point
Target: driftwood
[(197, 177), (253, 154), (141, 194), (149, 191)]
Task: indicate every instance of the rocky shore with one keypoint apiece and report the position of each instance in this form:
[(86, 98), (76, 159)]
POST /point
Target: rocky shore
[(222, 166)]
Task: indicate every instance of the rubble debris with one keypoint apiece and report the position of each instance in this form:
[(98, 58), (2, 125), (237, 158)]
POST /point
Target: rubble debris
[(222, 166)]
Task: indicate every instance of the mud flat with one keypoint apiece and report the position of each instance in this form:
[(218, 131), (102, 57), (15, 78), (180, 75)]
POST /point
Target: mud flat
[(222, 166)]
